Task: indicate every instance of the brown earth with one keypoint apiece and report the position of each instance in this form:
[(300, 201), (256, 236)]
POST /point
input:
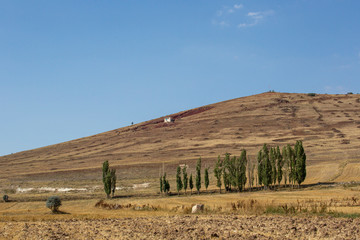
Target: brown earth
[(187, 227), (329, 126)]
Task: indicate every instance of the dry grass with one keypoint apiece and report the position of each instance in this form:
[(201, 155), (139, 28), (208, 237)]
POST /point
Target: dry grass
[(334, 199)]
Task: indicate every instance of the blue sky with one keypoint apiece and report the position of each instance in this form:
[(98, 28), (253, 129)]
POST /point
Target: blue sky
[(70, 69)]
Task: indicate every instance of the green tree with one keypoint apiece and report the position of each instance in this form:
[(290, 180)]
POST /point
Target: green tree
[(292, 164), (300, 162), (109, 179), (107, 184), (280, 164), (286, 164), (198, 176), (166, 184), (113, 181), (179, 184), (267, 167), (218, 172), (260, 167), (105, 170), (191, 184), (161, 185), (185, 178), (227, 172), (242, 170), (273, 159), (251, 173), (53, 203), (206, 178)]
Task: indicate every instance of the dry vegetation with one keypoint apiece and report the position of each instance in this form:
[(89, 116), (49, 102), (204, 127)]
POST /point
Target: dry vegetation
[(329, 126)]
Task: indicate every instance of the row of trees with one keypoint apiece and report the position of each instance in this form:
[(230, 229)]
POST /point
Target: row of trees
[(271, 168), (183, 181)]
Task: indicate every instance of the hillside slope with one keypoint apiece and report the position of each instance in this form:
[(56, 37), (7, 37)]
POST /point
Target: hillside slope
[(329, 126)]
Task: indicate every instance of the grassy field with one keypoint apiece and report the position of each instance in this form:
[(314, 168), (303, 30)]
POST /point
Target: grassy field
[(309, 200)]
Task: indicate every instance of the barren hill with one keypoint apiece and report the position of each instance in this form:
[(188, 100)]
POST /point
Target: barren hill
[(329, 126)]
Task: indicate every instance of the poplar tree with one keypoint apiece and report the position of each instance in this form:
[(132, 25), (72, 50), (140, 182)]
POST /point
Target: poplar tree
[(251, 173), (226, 172), (206, 178), (109, 179), (300, 163), (241, 170), (161, 185), (273, 159), (267, 168), (166, 184), (113, 181), (191, 184), (218, 172), (198, 176), (292, 164), (179, 184), (185, 178), (286, 164), (280, 164), (260, 167)]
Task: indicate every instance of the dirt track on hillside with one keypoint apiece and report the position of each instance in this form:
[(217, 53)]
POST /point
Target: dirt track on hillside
[(187, 227)]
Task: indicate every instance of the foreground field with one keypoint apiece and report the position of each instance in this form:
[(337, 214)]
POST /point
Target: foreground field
[(187, 227), (286, 213)]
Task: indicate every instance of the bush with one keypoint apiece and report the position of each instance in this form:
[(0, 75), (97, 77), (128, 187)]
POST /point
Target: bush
[(53, 203), (6, 198), (312, 94)]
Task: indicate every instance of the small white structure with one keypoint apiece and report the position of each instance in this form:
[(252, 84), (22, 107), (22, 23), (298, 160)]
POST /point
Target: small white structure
[(169, 120)]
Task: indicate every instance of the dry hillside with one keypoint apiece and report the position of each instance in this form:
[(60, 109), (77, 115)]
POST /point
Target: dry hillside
[(329, 126)]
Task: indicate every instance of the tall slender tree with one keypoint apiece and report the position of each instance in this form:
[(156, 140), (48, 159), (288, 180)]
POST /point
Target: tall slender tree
[(206, 178), (292, 163), (251, 173), (300, 163), (218, 172), (161, 185), (267, 168), (179, 184), (286, 164), (109, 179), (260, 166), (198, 176), (280, 164), (185, 178), (273, 159), (191, 184), (241, 170), (113, 181)]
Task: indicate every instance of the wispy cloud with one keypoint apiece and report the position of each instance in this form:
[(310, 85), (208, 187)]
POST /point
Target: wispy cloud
[(254, 18), (223, 15), (227, 16), (220, 23), (238, 6)]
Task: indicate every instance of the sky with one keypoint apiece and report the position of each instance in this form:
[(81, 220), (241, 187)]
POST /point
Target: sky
[(70, 69)]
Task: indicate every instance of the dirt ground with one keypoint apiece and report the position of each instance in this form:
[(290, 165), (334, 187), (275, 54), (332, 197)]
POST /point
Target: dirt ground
[(187, 227)]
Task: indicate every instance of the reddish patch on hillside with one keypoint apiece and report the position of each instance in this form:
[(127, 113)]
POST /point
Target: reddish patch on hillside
[(159, 122), (190, 112)]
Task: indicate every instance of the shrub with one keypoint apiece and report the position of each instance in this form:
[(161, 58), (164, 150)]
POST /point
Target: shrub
[(53, 203), (312, 94), (6, 198)]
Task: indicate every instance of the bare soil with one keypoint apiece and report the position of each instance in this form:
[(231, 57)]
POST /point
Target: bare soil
[(188, 227)]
